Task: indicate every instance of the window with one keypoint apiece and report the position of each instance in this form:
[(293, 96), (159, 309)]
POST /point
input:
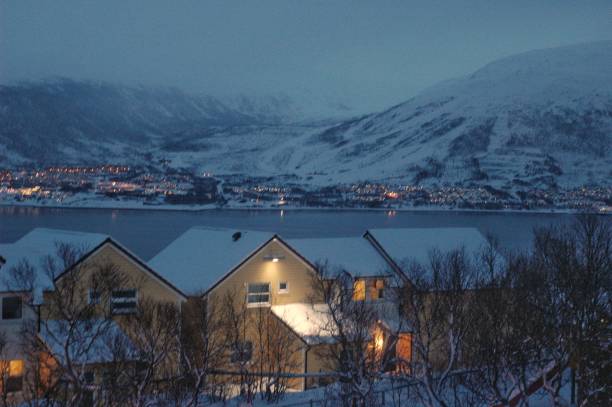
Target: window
[(94, 297), (283, 287), (359, 290), (242, 352), (258, 294), (11, 308), (124, 301), (89, 377), (377, 290), (12, 370), (403, 352)]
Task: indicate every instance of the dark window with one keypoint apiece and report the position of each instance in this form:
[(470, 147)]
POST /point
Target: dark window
[(258, 293), (89, 377), (14, 384), (243, 351), (124, 301), (94, 297), (11, 308)]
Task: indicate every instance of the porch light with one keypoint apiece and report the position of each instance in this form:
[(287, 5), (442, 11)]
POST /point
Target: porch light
[(274, 258)]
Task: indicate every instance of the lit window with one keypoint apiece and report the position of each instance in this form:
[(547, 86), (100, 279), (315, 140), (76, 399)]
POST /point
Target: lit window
[(403, 352), (11, 308), (283, 287), (378, 289), (359, 290), (124, 301), (258, 294)]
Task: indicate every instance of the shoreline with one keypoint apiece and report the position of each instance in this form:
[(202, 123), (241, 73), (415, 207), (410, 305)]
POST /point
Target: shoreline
[(209, 208)]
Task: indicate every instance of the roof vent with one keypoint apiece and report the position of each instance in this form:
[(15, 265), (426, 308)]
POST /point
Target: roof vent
[(236, 236)]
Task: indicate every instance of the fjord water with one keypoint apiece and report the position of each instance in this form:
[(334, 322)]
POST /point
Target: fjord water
[(146, 232)]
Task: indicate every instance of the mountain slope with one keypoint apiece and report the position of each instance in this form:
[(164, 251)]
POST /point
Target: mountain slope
[(62, 120), (539, 117), (542, 119)]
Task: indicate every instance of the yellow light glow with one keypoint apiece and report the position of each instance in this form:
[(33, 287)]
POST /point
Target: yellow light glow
[(379, 340), (359, 290), (15, 368)]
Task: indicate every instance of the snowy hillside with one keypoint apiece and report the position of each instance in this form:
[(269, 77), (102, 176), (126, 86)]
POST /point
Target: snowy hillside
[(66, 121), (542, 118)]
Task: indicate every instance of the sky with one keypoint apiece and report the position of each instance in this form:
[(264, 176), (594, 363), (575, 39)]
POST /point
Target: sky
[(366, 54)]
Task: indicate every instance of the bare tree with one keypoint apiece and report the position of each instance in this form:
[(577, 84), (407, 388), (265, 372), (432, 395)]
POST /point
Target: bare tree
[(203, 347), (239, 345), (71, 326), (574, 263), (359, 349), (437, 302), (153, 340), (497, 345), (275, 354)]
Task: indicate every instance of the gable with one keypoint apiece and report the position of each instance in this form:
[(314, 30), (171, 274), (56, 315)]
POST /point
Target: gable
[(260, 267), (136, 273)]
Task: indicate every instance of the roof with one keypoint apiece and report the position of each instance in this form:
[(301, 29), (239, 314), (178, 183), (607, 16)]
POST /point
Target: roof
[(36, 246), (311, 322), (202, 256), (93, 341), (354, 255), (406, 245)]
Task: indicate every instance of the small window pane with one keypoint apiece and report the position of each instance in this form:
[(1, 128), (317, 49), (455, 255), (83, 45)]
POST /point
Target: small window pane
[(124, 301), (11, 308), (124, 293), (359, 290), (94, 297), (243, 352), (258, 293)]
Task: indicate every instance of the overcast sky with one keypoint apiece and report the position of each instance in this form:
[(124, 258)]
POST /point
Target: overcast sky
[(370, 54)]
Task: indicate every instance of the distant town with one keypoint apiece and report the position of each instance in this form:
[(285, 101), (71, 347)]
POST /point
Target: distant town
[(134, 187)]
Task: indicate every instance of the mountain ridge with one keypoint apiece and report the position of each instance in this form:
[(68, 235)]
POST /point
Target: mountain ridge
[(541, 118)]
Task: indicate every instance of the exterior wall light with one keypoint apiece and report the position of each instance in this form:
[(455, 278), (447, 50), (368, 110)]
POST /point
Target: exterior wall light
[(273, 258)]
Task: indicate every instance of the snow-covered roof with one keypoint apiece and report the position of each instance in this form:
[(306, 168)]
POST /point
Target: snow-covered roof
[(310, 321), (36, 246), (202, 256), (354, 255), (91, 341), (416, 244)]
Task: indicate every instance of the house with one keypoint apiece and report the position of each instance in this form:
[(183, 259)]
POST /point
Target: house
[(268, 273), (30, 302), (268, 277), (20, 300)]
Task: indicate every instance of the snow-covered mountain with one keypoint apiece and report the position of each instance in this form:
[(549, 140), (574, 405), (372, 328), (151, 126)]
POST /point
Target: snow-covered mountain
[(62, 120), (542, 118)]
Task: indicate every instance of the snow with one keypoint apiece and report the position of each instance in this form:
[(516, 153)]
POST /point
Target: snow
[(92, 340), (201, 256), (35, 247), (310, 321), (415, 244), (354, 255)]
